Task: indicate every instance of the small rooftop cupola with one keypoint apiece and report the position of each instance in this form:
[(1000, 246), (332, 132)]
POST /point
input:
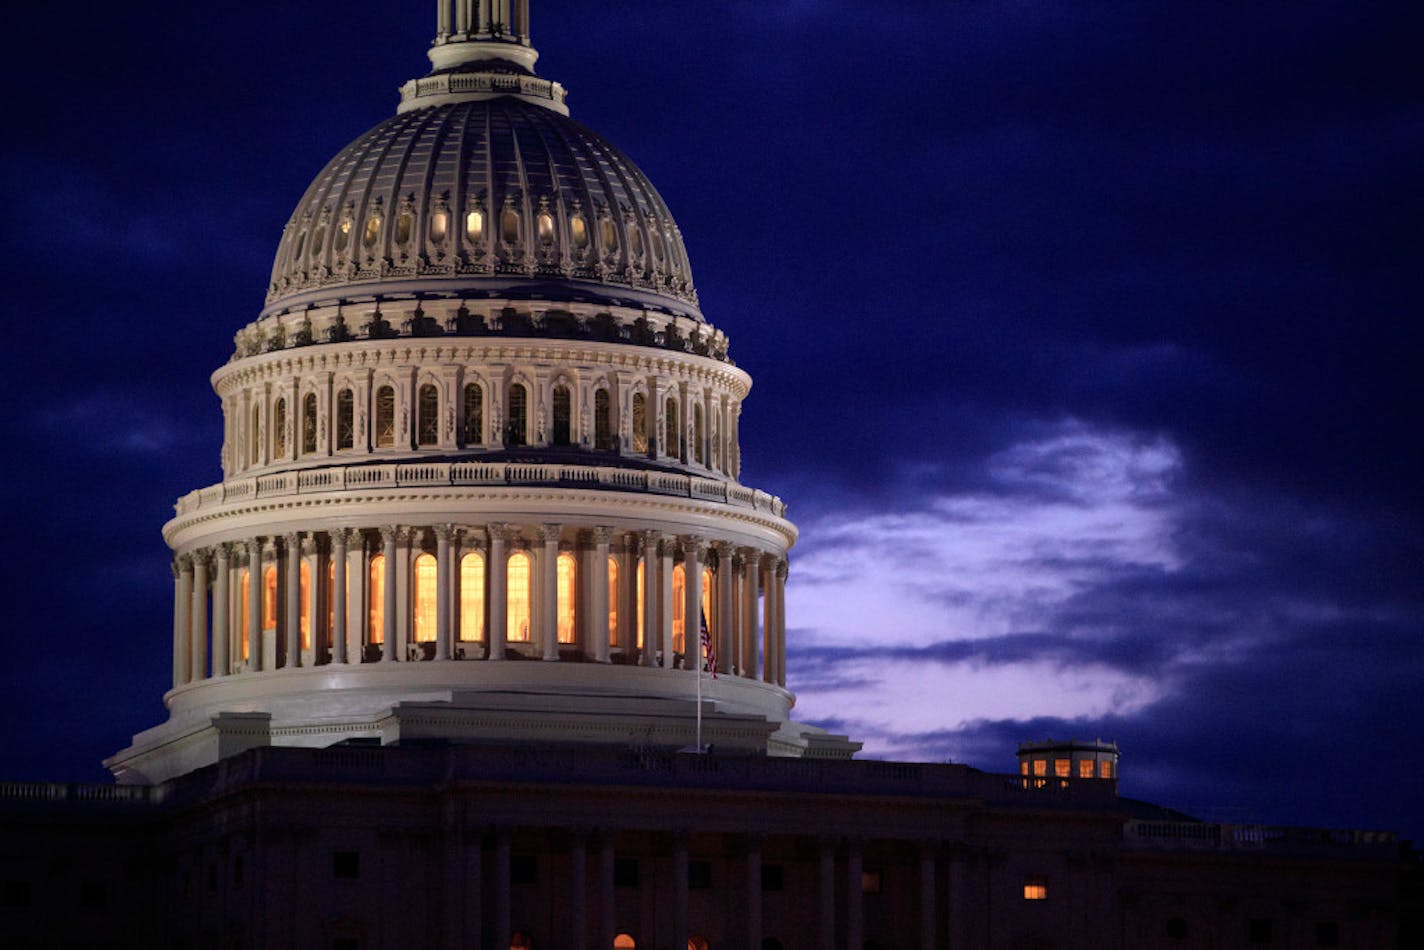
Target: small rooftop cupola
[(482, 50), (1048, 764)]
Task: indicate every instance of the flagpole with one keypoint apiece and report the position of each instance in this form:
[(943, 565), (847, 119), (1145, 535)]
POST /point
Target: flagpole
[(698, 668)]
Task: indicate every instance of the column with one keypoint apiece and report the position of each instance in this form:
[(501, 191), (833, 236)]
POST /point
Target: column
[(548, 599), (501, 887), (665, 602), (182, 618), (826, 896), (928, 933), (606, 923), (316, 596), (751, 623), (768, 648), (292, 617), (855, 920), (679, 889), (753, 885), (198, 653), (388, 599), (338, 596), (629, 597), (692, 551), (358, 571), (254, 605), (578, 891), (497, 604), (408, 541), (442, 591), (597, 624), (453, 594), (222, 584), (650, 598), (723, 633)]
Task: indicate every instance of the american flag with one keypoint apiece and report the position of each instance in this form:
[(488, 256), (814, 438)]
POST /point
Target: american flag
[(710, 653)]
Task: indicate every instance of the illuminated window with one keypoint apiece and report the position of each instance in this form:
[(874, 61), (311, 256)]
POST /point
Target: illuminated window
[(376, 616), (609, 234), (1023, 768), (707, 602), (373, 231), (439, 227), (385, 417), (1105, 769), (672, 436), (244, 613), (624, 942), (475, 225), (546, 228), (425, 597), (602, 421), (562, 412), (509, 226), (345, 420), (1035, 888), (328, 622), (309, 424), (405, 223), (579, 227), (254, 437), (635, 240), (699, 450), (517, 432), (1040, 766), (428, 415), (518, 590), (472, 596), (567, 574), (1085, 768), (679, 608), (638, 596), (304, 597), (1062, 768), (279, 429), (269, 599), (343, 235), (640, 423), (613, 602), (473, 424)]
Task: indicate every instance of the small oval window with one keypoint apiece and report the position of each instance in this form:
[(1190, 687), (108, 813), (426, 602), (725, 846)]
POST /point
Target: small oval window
[(301, 243), (439, 225), (580, 231), (343, 235), (373, 231), (658, 246), (509, 227), (318, 239), (546, 228), (610, 235), (635, 238), (475, 225), (404, 223)]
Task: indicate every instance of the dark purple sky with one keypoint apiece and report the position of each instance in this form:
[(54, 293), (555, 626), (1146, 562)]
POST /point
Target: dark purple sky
[(1084, 338)]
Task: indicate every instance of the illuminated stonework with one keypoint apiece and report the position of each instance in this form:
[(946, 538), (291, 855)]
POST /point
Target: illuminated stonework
[(480, 458)]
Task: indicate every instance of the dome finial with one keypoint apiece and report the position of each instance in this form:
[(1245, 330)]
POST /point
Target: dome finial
[(472, 30)]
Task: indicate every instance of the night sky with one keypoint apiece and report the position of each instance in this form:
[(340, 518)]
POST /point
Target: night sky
[(1083, 337)]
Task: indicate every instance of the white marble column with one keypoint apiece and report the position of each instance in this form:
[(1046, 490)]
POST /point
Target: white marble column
[(665, 565), (751, 622), (781, 574), (315, 600), (222, 610), (182, 619), (722, 631), (768, 646), (443, 649), (597, 623), (693, 549), (548, 593), (339, 601), (408, 541), (254, 605), (198, 651), (497, 603), (291, 618), (388, 612), (651, 572)]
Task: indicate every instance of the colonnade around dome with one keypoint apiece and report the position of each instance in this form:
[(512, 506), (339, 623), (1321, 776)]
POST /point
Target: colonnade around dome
[(353, 402), (493, 593)]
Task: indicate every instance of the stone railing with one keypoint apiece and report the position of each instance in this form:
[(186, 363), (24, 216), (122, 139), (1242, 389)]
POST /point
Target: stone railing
[(1214, 836), (61, 792), (316, 481)]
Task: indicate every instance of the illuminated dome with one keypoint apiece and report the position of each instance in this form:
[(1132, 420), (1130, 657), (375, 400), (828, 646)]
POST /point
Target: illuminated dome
[(480, 458)]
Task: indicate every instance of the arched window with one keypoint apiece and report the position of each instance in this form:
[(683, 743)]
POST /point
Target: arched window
[(610, 235), (546, 228), (279, 429), (699, 449), (439, 226), (517, 576), (679, 608), (424, 598), (473, 423), (428, 415), (385, 417), (254, 437), (579, 228), (640, 423), (509, 226), (672, 437), (567, 576), (405, 223), (475, 226), (318, 239), (472, 596), (373, 231), (562, 412), (517, 431), (624, 942), (309, 423), (717, 450), (328, 620), (602, 421), (613, 640), (638, 598), (304, 587), (345, 420), (343, 235), (244, 617), (269, 599), (707, 602), (376, 598)]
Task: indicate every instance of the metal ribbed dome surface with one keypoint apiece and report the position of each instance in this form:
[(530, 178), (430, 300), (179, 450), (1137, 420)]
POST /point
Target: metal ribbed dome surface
[(491, 198)]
